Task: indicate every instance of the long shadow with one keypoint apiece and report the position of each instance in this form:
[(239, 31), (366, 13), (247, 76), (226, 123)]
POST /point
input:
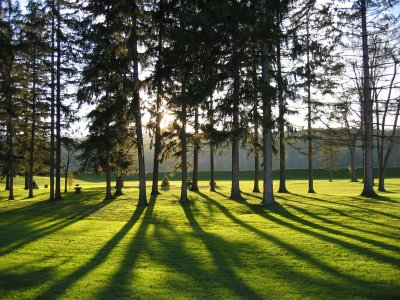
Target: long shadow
[(228, 276), (341, 224), (343, 213), (350, 205), (123, 276), (352, 247), (355, 284), (352, 236), (25, 234), (59, 288)]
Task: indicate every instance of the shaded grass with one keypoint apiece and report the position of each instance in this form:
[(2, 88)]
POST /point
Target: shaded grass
[(329, 245)]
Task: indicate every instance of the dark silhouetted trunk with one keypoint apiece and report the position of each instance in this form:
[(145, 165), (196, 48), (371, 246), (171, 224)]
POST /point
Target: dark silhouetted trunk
[(281, 125), (196, 147), (58, 108), (184, 198), (268, 193), (118, 185), (7, 182), (11, 166), (33, 131), (368, 188), (108, 178), (136, 110), (353, 173), (256, 188), (212, 150), (52, 105), (309, 120), (157, 136), (235, 188)]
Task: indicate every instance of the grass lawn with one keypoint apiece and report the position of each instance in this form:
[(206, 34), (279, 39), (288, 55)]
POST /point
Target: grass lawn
[(329, 245)]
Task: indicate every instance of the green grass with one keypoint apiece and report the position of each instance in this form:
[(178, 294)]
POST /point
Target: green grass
[(330, 245), (291, 174)]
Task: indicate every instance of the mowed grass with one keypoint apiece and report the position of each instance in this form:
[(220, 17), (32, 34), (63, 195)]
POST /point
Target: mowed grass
[(329, 245)]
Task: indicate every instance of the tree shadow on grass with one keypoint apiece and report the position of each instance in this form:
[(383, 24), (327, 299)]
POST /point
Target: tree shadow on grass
[(21, 228), (225, 273), (341, 212), (280, 210), (359, 199), (65, 283), (117, 288), (347, 284), (343, 223), (21, 281)]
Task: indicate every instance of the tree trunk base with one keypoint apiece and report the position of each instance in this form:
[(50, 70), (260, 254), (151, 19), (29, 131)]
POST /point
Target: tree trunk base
[(142, 203), (256, 190), (155, 192), (118, 193), (369, 194), (311, 191), (283, 190), (194, 189), (236, 197), (184, 201)]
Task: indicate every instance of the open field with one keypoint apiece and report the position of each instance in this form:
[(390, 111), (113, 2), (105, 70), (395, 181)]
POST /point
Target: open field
[(329, 245)]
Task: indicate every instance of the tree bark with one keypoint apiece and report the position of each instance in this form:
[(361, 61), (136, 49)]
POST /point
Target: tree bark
[(26, 180), (268, 193), (184, 198), (136, 111), (58, 108), (256, 188), (157, 136), (118, 186), (281, 125), (368, 187), (33, 131), (108, 178), (11, 166), (52, 108), (309, 119), (7, 182), (352, 150), (212, 150), (195, 179), (235, 187)]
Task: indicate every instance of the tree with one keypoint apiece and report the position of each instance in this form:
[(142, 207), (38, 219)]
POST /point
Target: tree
[(330, 157)]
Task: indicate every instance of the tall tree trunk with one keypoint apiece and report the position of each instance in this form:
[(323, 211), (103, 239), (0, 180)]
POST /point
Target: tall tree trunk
[(235, 188), (195, 179), (368, 188), (58, 108), (309, 120), (256, 188), (352, 150), (11, 166), (137, 112), (52, 113), (33, 131), (7, 181), (108, 178), (157, 136), (184, 198), (281, 125), (212, 148), (268, 193), (118, 185)]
